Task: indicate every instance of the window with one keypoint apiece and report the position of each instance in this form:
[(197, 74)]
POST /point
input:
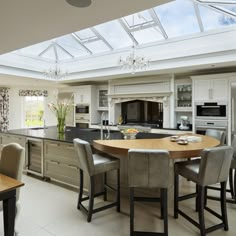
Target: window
[(33, 111)]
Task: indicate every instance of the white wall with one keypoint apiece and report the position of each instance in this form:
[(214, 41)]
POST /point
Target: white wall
[(16, 108)]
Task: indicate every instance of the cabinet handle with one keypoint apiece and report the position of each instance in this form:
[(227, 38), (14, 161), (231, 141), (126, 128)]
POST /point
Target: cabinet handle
[(55, 162), (54, 144), (73, 167), (70, 147)]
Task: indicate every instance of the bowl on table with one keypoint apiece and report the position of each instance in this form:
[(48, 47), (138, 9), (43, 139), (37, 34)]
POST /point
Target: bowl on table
[(129, 133)]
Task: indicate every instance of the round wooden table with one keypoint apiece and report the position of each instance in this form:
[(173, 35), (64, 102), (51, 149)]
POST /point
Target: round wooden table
[(192, 149)]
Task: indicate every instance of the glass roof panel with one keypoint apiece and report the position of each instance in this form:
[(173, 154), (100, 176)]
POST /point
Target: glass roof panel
[(35, 49), (97, 46), (86, 34), (212, 19), (76, 52), (62, 55), (140, 18), (50, 54), (148, 35), (178, 18), (227, 7), (115, 34)]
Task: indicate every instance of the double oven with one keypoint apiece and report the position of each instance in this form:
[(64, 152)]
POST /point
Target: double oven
[(211, 115), (82, 117)]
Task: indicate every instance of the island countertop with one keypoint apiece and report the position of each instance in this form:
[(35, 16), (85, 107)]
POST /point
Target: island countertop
[(71, 133)]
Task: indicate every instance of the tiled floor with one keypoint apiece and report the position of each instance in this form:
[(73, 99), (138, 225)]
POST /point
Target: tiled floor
[(47, 209)]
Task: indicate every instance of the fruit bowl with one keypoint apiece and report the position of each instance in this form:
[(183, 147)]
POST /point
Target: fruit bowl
[(130, 133)]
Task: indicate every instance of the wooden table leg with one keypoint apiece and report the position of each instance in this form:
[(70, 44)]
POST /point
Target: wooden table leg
[(9, 210)]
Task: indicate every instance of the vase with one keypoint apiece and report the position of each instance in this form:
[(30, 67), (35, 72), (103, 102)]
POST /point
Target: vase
[(61, 125)]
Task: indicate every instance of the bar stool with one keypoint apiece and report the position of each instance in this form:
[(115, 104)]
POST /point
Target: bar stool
[(217, 134), (92, 165), (232, 172), (212, 168), (149, 169)]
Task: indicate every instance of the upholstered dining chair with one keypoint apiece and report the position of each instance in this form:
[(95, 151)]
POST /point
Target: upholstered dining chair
[(149, 169), (92, 165), (212, 168), (11, 164)]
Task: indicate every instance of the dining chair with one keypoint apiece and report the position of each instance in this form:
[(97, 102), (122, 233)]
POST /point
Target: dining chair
[(232, 172), (11, 164), (93, 165), (149, 169), (212, 168)]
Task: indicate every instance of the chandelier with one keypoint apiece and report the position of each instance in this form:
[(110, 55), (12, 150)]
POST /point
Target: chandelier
[(55, 74), (134, 62)]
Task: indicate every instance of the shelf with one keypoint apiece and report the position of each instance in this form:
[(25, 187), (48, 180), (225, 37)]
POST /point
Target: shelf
[(183, 109)]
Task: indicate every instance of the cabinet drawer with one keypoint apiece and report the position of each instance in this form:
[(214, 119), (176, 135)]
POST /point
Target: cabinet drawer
[(60, 152), (8, 138), (64, 173)]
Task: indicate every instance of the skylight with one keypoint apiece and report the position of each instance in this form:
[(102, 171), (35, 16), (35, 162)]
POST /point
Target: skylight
[(172, 20)]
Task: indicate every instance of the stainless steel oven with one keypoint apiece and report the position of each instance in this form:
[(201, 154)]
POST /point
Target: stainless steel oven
[(211, 110), (82, 109)]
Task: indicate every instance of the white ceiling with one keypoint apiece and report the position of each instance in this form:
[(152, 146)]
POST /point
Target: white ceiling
[(27, 22)]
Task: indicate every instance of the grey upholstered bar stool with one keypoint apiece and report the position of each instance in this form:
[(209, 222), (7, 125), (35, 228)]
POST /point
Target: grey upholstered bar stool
[(232, 172), (211, 169), (217, 134), (149, 169), (92, 165)]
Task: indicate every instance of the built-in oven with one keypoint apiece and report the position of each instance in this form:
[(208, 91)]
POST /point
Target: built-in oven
[(82, 120), (82, 109), (211, 110)]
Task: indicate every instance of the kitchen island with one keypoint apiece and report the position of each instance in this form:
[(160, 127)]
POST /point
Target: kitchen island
[(52, 156)]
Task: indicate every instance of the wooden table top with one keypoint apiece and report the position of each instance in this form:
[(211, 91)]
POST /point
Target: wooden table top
[(7, 183), (120, 147)]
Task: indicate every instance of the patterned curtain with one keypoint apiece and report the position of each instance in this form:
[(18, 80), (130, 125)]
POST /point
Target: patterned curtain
[(24, 92), (4, 109)]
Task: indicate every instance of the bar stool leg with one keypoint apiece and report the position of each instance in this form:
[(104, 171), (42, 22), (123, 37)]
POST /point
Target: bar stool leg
[(165, 209), (118, 191), (235, 185), (231, 186), (81, 188), (223, 205), (196, 200), (131, 197), (91, 198), (201, 204), (176, 195), (105, 189)]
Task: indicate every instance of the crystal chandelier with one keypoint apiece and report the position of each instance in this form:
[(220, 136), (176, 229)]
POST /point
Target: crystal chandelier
[(55, 74), (134, 62)]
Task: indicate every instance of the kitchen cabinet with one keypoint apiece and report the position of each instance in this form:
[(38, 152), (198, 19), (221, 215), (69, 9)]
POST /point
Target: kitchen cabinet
[(61, 162), (10, 138), (210, 90), (102, 99), (183, 99), (82, 95)]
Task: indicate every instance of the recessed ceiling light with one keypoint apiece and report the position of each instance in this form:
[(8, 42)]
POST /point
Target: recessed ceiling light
[(79, 3)]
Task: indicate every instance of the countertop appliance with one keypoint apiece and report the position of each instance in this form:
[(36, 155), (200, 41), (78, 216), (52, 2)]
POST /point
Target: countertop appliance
[(211, 111), (184, 123)]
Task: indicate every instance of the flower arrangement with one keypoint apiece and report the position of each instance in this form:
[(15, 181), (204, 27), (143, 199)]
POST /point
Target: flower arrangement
[(61, 109)]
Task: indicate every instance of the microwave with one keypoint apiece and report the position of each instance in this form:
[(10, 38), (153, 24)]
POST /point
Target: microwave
[(211, 110), (81, 109)]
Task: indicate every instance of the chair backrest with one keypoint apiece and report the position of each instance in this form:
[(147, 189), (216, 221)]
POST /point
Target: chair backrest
[(233, 144), (215, 164), (217, 134), (12, 162), (149, 168), (85, 156)]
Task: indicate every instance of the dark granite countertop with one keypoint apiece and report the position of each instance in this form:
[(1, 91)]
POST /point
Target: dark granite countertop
[(89, 135)]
